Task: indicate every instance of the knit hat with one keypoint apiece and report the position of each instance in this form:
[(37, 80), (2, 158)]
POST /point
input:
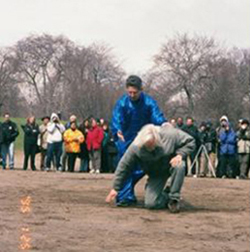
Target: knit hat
[(45, 117), (203, 124), (224, 118), (134, 81), (244, 121)]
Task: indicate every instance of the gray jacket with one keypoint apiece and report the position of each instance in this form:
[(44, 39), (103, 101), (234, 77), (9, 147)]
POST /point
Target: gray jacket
[(154, 163)]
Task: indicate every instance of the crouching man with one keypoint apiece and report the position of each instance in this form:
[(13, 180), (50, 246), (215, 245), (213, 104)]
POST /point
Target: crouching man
[(160, 151)]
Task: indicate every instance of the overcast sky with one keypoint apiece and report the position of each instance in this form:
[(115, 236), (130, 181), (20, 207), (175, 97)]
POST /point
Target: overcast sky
[(134, 28)]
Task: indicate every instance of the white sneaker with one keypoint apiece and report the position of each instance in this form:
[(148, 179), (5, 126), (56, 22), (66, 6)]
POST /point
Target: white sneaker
[(92, 171), (97, 171), (47, 169)]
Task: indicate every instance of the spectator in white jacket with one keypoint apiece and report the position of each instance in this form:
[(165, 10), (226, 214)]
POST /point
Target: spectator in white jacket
[(55, 138)]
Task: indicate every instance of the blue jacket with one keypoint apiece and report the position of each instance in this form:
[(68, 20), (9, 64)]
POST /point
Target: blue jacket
[(130, 116), (227, 142)]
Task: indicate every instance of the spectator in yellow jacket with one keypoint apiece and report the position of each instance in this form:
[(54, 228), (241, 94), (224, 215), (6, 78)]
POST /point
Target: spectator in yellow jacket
[(72, 140)]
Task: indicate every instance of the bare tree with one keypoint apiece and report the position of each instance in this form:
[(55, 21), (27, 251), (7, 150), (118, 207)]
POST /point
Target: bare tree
[(183, 65), (39, 68), (10, 99), (92, 79)]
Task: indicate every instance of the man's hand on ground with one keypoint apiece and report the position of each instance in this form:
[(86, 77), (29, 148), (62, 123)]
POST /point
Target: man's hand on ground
[(111, 196)]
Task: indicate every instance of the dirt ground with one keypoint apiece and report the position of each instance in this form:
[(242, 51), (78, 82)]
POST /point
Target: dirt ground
[(52, 211)]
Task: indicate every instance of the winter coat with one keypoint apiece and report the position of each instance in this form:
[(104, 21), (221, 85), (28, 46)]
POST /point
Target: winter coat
[(55, 130), (1, 133), (156, 162), (106, 138), (84, 153), (31, 132), (243, 141), (73, 140), (9, 132), (94, 138), (211, 140), (43, 137), (227, 140), (130, 116), (192, 131), (202, 136)]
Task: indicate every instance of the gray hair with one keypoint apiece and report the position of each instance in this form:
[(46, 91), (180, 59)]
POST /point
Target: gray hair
[(148, 133)]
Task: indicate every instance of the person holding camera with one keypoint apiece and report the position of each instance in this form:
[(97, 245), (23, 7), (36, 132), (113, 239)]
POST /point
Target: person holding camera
[(55, 138), (243, 144), (227, 150)]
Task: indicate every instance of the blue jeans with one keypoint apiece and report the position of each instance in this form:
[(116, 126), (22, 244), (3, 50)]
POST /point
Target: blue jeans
[(84, 165), (7, 150), (54, 149)]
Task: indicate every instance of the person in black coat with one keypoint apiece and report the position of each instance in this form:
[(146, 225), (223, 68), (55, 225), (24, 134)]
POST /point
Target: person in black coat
[(84, 154), (1, 140), (9, 135), (192, 130), (31, 132)]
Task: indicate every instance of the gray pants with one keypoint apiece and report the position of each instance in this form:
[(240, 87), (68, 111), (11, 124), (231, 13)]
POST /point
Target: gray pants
[(244, 160), (156, 193), (95, 158)]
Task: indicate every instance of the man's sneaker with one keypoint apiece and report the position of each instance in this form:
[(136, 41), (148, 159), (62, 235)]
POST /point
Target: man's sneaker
[(92, 171), (174, 206), (47, 169), (97, 171)]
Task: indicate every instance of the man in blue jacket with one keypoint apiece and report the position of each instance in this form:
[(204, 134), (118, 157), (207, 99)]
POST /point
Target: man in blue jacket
[(131, 112), (227, 150)]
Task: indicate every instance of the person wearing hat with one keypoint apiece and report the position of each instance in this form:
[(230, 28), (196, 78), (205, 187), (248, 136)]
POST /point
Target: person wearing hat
[(55, 138), (42, 140), (243, 145), (227, 150), (131, 112), (64, 156)]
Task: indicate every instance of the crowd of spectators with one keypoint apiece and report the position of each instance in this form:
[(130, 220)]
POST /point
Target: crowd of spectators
[(222, 151), (59, 145)]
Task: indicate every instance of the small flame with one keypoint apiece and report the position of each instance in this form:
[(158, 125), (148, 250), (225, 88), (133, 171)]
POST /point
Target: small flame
[(25, 242), (25, 204), (25, 238)]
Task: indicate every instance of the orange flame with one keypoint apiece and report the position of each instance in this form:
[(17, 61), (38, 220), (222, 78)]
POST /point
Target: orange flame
[(25, 204)]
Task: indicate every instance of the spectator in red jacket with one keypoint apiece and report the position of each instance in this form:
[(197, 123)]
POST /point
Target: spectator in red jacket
[(94, 144)]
